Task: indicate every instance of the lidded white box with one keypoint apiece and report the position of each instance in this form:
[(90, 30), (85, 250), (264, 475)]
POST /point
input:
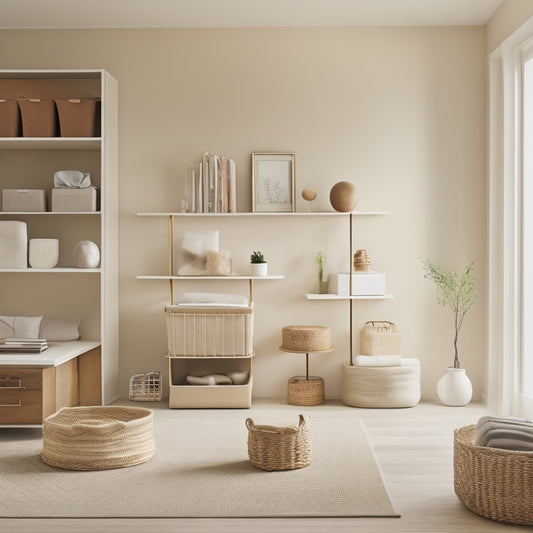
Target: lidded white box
[(69, 199), (363, 284), (26, 200)]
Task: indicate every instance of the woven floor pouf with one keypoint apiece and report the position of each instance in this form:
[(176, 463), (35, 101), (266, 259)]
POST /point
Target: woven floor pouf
[(98, 438), (279, 447)]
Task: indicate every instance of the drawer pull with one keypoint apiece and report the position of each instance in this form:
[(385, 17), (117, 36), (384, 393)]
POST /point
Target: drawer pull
[(9, 380), (18, 404)]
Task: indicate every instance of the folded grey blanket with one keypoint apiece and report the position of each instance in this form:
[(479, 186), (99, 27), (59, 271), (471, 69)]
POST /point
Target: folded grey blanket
[(508, 433)]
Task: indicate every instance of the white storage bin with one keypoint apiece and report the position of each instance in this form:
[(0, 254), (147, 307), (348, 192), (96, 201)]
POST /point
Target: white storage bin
[(209, 331), (13, 244), (363, 284), (74, 200), (27, 200)]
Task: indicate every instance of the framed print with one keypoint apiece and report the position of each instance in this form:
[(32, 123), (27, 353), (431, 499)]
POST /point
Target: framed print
[(272, 182)]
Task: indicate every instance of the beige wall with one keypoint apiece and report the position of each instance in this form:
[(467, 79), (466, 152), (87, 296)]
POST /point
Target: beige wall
[(399, 111), (510, 15)]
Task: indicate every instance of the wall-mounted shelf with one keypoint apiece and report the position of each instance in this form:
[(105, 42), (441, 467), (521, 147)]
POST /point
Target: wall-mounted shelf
[(312, 296), (248, 214), (50, 143), (184, 278)]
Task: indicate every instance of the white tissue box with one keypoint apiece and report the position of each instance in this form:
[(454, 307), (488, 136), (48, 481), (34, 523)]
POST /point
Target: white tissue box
[(73, 200), (33, 200), (363, 284)]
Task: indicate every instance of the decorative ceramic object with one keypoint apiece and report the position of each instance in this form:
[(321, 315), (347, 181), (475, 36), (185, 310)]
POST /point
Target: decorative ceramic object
[(454, 388), (343, 196), (309, 195), (258, 269), (43, 253), (218, 263), (361, 261), (86, 255)]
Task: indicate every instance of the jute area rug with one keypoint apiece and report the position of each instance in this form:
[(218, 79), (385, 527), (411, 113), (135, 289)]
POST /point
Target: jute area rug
[(201, 469)]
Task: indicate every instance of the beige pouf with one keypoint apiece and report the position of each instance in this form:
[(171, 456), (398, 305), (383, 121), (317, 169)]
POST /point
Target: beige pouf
[(98, 438), (380, 387), (305, 338), (279, 447)]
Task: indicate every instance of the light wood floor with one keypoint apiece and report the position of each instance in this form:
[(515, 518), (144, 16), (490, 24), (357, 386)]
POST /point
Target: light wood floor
[(414, 449)]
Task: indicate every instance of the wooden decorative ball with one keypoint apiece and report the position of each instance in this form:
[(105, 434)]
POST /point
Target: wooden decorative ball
[(309, 195), (343, 196)]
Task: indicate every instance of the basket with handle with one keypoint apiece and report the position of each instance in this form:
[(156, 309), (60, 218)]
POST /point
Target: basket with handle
[(380, 337), (279, 447)]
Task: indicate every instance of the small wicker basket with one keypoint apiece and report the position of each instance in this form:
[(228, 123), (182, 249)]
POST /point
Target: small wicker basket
[(279, 448), (491, 482), (146, 387)]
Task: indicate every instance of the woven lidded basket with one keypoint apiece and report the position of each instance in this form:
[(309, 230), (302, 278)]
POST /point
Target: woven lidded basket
[(279, 447), (98, 438), (491, 482)]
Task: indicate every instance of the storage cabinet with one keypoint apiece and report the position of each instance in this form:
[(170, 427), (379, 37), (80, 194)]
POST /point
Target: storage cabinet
[(90, 295)]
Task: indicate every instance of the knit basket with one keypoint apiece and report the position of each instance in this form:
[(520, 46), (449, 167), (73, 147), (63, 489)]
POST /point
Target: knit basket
[(491, 482), (98, 438), (279, 448)]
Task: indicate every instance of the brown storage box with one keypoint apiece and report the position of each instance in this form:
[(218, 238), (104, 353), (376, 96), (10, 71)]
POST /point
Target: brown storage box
[(10, 125), (27, 200), (39, 117), (79, 117)]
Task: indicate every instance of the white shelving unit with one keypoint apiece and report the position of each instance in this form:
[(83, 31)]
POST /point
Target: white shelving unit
[(88, 294)]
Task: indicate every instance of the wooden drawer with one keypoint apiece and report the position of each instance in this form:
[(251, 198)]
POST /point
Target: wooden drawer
[(21, 395)]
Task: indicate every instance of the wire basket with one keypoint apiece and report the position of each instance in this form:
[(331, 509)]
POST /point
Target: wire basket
[(145, 387)]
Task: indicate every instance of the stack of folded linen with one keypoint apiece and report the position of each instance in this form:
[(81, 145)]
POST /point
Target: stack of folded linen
[(385, 360), (506, 433)]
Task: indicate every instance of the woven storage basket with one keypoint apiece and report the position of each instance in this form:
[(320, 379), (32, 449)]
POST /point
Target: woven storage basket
[(98, 438), (494, 483), (279, 448), (301, 391), (380, 337), (380, 387)]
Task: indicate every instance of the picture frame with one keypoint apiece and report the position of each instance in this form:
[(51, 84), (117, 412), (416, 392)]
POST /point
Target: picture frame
[(273, 182)]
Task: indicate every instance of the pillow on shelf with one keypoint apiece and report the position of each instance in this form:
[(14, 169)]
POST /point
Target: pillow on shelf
[(59, 329), (20, 327)]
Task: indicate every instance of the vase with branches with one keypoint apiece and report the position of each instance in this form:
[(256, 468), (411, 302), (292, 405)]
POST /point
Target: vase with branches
[(456, 291)]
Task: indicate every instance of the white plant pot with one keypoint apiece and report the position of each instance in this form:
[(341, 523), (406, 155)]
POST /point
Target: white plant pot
[(43, 253), (454, 388), (258, 269)]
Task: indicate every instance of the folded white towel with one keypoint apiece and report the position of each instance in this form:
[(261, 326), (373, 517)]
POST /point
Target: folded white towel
[(212, 299), (378, 360), (410, 361)]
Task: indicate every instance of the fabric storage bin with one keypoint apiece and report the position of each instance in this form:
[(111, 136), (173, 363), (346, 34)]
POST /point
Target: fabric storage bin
[(10, 125), (13, 244), (78, 117), (379, 337), (380, 387), (209, 331), (69, 199), (31, 200), (39, 117)]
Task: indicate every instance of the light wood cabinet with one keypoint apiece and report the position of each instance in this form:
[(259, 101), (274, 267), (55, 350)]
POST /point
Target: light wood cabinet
[(90, 295)]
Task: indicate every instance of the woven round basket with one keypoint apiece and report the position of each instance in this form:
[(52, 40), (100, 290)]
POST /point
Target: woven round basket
[(306, 338), (494, 483), (279, 447), (98, 438), (302, 391)]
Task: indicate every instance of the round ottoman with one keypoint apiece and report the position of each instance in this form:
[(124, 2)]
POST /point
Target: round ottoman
[(98, 438)]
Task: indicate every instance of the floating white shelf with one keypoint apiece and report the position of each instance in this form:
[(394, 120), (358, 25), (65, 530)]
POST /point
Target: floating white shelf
[(312, 296), (247, 214), (211, 277), (50, 143), (55, 270)]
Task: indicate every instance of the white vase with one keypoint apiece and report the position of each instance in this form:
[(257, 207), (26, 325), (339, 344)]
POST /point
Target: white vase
[(454, 388), (86, 255), (258, 269), (43, 253)]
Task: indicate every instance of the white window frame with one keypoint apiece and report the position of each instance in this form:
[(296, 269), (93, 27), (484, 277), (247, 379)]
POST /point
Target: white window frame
[(505, 224)]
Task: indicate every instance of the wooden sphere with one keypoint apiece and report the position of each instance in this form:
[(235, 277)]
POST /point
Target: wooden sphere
[(309, 195), (343, 196)]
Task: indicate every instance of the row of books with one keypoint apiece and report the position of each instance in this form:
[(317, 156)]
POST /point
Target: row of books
[(214, 188), (23, 345)]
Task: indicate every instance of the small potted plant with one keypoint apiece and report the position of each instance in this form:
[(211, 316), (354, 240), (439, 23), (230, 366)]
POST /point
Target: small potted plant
[(458, 292), (258, 264)]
